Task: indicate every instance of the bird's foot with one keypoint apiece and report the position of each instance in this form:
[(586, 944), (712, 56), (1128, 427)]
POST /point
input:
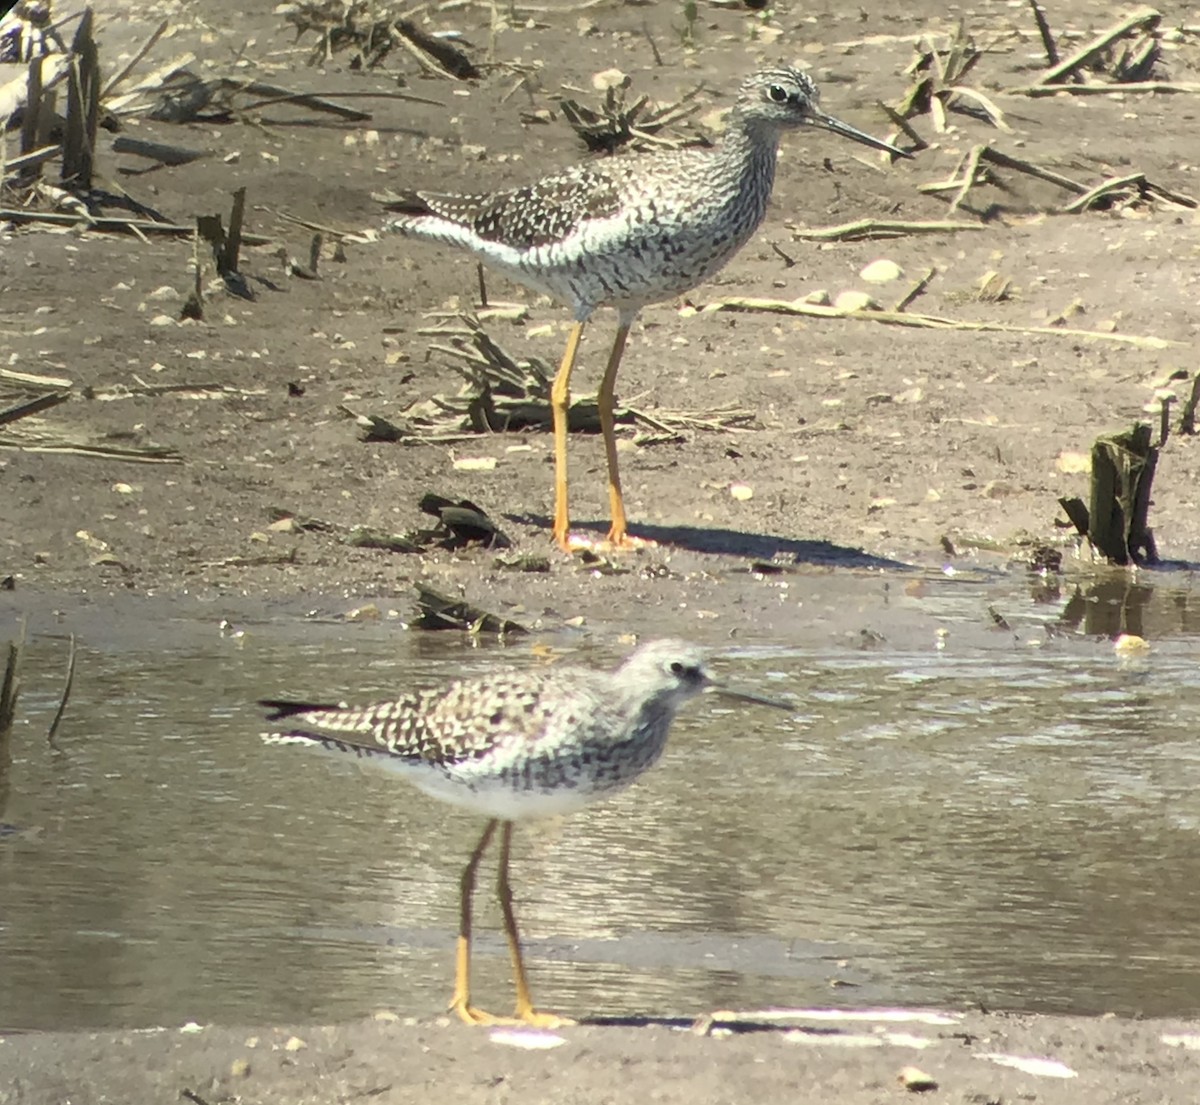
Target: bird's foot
[(589, 543), (526, 1015), (469, 1014), (626, 542), (535, 1019)]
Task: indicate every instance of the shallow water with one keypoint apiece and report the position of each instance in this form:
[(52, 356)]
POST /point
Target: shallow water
[(960, 810)]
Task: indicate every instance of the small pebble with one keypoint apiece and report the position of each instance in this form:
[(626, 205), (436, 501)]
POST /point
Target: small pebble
[(882, 271)]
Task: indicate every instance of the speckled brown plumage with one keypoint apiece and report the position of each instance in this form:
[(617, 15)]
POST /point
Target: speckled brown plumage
[(627, 231), (515, 744)]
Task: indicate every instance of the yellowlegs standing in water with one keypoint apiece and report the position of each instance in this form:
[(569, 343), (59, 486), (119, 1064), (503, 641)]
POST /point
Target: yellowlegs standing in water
[(628, 231), (515, 746)]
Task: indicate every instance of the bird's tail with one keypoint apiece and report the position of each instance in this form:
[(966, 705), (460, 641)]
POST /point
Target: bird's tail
[(284, 708)]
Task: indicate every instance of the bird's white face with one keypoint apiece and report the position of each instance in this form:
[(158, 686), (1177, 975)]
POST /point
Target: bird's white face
[(688, 673), (787, 98)]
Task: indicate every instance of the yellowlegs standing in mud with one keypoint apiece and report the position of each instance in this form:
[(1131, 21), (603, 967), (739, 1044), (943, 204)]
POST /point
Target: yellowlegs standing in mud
[(628, 231), (515, 746)]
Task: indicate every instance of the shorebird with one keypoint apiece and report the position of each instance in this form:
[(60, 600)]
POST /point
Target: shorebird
[(628, 231), (513, 746)]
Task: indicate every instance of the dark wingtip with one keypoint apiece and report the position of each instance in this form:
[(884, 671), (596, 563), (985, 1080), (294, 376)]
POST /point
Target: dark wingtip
[(283, 708)]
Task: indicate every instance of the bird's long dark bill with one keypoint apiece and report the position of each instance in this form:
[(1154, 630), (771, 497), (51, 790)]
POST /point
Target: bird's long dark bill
[(828, 122), (751, 697)]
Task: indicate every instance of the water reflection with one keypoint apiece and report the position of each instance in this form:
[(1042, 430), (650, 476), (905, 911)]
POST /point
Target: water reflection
[(1116, 604), (959, 818)]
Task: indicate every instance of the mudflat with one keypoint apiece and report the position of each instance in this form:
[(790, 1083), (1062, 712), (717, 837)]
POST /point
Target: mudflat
[(819, 445)]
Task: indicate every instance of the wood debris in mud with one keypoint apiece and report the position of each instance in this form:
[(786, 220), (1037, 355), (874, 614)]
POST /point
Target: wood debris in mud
[(172, 93), (28, 395), (225, 246), (36, 405), (460, 525), (10, 692), (978, 167), (372, 32), (616, 124), (862, 230), (139, 228), (503, 394), (1125, 53), (803, 306), (31, 101), (940, 84), (1122, 58), (83, 108), (940, 87), (68, 683), (35, 438), (441, 611), (1116, 519)]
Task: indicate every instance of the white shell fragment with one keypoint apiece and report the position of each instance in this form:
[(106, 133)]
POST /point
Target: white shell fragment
[(1046, 1068), (525, 1038)]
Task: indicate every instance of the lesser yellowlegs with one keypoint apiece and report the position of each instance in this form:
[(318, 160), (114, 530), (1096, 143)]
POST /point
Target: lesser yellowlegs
[(515, 746), (626, 232)]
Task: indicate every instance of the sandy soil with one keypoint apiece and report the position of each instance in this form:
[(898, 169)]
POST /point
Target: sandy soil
[(870, 444), (1059, 1060), (866, 437)]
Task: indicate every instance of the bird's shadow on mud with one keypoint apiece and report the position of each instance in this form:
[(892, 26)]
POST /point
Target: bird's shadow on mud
[(705, 1024), (763, 547)]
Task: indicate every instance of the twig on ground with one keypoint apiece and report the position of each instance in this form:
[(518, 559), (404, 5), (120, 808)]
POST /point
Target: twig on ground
[(161, 152), (227, 263), (616, 124), (1126, 188), (863, 229), (1048, 43), (134, 61), (927, 322), (940, 83), (10, 692), (916, 290), (68, 683), (1094, 89), (110, 224), (1145, 19), (83, 107), (33, 406), (1187, 414), (31, 440), (185, 390)]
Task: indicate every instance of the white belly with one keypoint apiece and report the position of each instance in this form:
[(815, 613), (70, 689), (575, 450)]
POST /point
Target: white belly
[(489, 798)]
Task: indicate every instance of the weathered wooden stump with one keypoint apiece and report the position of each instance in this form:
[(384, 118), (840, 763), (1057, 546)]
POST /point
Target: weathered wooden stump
[(1116, 521)]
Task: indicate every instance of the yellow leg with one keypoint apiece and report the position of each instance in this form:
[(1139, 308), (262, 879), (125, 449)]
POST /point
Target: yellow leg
[(560, 402), (461, 1002), (525, 1011), (616, 533)]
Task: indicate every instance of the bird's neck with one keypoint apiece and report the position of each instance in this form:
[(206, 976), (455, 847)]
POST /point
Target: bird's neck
[(649, 726), (750, 148), (651, 717)]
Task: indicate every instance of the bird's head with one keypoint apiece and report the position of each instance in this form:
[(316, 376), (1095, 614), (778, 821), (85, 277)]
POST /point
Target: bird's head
[(785, 98), (666, 674)]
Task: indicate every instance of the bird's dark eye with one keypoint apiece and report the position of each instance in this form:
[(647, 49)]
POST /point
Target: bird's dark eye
[(687, 673), (778, 93)]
